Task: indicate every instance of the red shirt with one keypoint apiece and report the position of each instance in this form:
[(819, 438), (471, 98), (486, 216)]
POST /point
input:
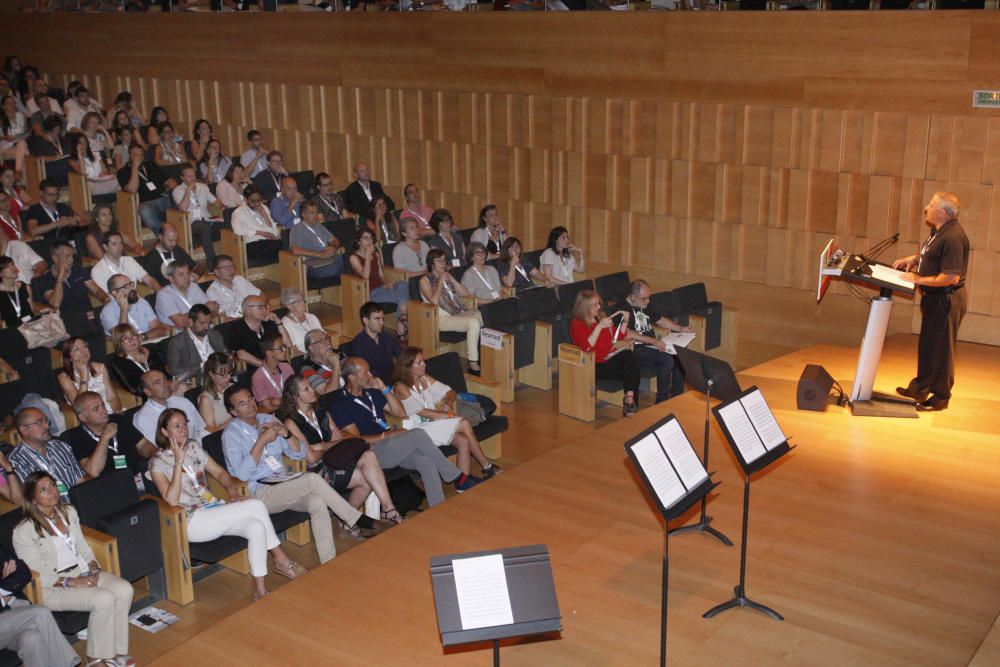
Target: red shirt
[(579, 331)]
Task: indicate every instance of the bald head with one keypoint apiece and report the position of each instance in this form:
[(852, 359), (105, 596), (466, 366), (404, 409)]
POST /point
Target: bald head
[(361, 172)]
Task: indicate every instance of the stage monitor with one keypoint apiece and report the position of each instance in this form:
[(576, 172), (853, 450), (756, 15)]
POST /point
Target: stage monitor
[(700, 368)]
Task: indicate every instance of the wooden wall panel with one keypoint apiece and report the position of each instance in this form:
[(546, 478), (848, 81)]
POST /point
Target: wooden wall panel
[(728, 147)]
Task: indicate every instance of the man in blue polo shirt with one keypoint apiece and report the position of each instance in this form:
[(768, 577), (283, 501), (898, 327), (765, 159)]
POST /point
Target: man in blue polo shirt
[(375, 346)]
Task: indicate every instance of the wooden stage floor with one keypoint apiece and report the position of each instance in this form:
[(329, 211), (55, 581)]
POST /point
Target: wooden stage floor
[(878, 539)]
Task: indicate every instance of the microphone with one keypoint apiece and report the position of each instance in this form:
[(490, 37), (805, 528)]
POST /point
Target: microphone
[(881, 247)]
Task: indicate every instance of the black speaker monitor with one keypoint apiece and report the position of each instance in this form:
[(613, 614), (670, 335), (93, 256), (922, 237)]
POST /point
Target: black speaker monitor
[(814, 388)]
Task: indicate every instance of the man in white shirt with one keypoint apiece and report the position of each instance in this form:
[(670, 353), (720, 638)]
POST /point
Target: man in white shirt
[(115, 262), (416, 209), (158, 389), (175, 300), (41, 87), (253, 222), (254, 159), (229, 289), (79, 106), (194, 197)]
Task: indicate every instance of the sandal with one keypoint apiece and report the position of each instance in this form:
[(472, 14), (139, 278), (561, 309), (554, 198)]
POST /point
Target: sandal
[(352, 531), (392, 515), (125, 661), (290, 570), (256, 598), (105, 662)]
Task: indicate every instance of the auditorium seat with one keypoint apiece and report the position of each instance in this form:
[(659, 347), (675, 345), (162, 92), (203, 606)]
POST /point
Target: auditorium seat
[(235, 246), (530, 356), (79, 194), (127, 214), (447, 368), (34, 174), (613, 289), (579, 390)]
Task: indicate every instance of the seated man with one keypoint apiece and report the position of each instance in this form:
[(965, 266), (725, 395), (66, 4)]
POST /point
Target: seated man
[(49, 218), (29, 630), (166, 251), (103, 442), (39, 451), (330, 202), (416, 209), (115, 262), (311, 239), (321, 364), (175, 300), (79, 106), (146, 179), (374, 345), (247, 333), (268, 381), (228, 288), (359, 195), (359, 410), (161, 394), (254, 159), (188, 351), (269, 180), (253, 222), (410, 256), (127, 307), (51, 146), (286, 205), (254, 445), (650, 350), (66, 286), (194, 197)]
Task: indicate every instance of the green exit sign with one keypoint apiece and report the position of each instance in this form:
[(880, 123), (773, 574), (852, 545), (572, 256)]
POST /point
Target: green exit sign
[(986, 98)]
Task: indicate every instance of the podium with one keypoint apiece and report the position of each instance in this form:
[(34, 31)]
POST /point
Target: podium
[(676, 479), (525, 580), (860, 270), (757, 441)]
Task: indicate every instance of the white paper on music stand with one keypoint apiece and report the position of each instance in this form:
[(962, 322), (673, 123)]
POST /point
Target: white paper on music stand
[(763, 420), (678, 338), (678, 448), (742, 432), (665, 482), (483, 598), (890, 275)]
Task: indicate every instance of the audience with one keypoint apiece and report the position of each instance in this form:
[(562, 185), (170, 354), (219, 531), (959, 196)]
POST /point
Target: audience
[(213, 165), (175, 300), (167, 153), (228, 288), (490, 232), (194, 198), (561, 258), (201, 136), (230, 189), (179, 470), (382, 222), (66, 286), (166, 251), (49, 539), (649, 349), (247, 333), (50, 145), (15, 308), (593, 331), (309, 238), (12, 202), (269, 180), (299, 321), (103, 442), (269, 378), (375, 346), (147, 180), (447, 238), (126, 307), (441, 289), (28, 262), (38, 450), (416, 209), (331, 203), (188, 350), (83, 161), (49, 218), (516, 270), (285, 207), (253, 222), (254, 159), (362, 192), (115, 262), (78, 106), (216, 378), (103, 223), (409, 256), (482, 281), (80, 373), (321, 364), (14, 129), (162, 394), (131, 359), (366, 263)]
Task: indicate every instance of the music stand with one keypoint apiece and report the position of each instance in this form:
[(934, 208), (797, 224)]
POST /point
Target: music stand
[(707, 375)]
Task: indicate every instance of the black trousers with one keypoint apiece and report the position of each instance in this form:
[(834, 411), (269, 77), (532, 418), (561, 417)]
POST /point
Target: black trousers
[(669, 379), (202, 230), (941, 315), (622, 367)]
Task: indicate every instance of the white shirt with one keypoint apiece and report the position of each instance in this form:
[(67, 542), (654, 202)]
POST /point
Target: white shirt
[(104, 269), (24, 259), (197, 203), (248, 223), (297, 330), (562, 267), (231, 299), (146, 417)]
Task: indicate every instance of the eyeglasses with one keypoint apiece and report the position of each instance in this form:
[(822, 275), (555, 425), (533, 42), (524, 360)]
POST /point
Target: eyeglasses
[(279, 348), (130, 336), (256, 305), (223, 372), (125, 286), (43, 420)]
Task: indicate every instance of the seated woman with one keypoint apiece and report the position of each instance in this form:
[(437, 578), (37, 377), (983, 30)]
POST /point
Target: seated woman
[(490, 232), (447, 237), (201, 136), (100, 141), (102, 222), (213, 165), (382, 222), (440, 288), (124, 136), (15, 302), (481, 280), (50, 541), (515, 269), (131, 359), (366, 263), (230, 189), (348, 464), (299, 320), (156, 116), (252, 221), (20, 200), (178, 469), (433, 404), (29, 264), (561, 258), (83, 161), (592, 330), (14, 130), (80, 373), (167, 153), (218, 377)]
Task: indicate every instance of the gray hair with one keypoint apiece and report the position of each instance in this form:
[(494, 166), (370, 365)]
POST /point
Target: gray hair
[(636, 286), (948, 202), (289, 293), (350, 366), (311, 337)]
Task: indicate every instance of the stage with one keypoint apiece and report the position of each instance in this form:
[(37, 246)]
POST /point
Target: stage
[(878, 540)]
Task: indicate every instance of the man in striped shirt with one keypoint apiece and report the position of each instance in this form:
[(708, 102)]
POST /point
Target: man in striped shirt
[(37, 451)]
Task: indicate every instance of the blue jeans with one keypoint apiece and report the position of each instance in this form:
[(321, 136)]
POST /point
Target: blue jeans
[(153, 213), (399, 293), (335, 268), (669, 379)]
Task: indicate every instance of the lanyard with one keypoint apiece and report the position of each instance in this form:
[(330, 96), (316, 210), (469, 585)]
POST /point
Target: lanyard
[(318, 237), (267, 374), (203, 347), (367, 190), (520, 269), (451, 244), (144, 367), (53, 214), (260, 219), (112, 268), (332, 205), (113, 445), (71, 543), (13, 226), (313, 422), (143, 175), (493, 292), (181, 297), (166, 258), (15, 300), (417, 215), (277, 182), (420, 255), (924, 248), (420, 395)]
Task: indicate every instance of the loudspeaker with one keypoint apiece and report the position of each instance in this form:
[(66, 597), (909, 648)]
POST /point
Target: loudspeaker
[(814, 388)]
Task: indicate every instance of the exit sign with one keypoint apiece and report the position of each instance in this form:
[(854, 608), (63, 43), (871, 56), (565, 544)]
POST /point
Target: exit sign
[(986, 98)]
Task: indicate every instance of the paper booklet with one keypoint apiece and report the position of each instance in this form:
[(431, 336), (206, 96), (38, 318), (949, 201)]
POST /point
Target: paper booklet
[(752, 426), (619, 346), (679, 339), (669, 463)]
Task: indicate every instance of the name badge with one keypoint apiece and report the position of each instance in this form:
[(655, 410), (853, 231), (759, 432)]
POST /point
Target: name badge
[(151, 186), (382, 423), (63, 491), (456, 262), (119, 460), (273, 464)]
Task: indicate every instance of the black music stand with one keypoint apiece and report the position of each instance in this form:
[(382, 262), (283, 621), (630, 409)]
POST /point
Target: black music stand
[(669, 510), (740, 598), (530, 587), (707, 375)]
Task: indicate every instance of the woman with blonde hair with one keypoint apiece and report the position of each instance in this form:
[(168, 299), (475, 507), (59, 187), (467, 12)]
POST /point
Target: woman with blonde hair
[(596, 332)]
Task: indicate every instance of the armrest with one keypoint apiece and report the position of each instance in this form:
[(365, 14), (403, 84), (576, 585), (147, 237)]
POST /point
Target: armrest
[(489, 388), (469, 303), (394, 275), (575, 355), (507, 292), (105, 548), (294, 465)]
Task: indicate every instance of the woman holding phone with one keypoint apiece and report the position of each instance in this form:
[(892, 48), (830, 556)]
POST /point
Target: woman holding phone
[(604, 335)]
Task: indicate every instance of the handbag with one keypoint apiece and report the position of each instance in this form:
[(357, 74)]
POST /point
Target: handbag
[(345, 454), (46, 331), (472, 411)]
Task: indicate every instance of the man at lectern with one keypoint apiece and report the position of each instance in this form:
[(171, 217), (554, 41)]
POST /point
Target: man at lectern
[(939, 271)]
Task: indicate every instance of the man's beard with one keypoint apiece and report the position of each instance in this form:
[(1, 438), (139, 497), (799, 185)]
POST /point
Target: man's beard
[(133, 297)]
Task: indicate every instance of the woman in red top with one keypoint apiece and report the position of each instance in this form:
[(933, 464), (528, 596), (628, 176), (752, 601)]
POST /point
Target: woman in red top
[(594, 331)]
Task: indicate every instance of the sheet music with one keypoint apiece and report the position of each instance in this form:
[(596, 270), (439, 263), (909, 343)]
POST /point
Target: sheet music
[(889, 275), (742, 432), (678, 338), (659, 472), (483, 598), (678, 448), (763, 420)]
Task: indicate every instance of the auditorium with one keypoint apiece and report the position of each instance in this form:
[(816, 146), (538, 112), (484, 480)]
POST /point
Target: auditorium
[(489, 335)]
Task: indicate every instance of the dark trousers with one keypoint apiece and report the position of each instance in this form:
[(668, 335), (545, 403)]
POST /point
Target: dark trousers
[(669, 379), (263, 250), (622, 367), (941, 315), (201, 230)]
